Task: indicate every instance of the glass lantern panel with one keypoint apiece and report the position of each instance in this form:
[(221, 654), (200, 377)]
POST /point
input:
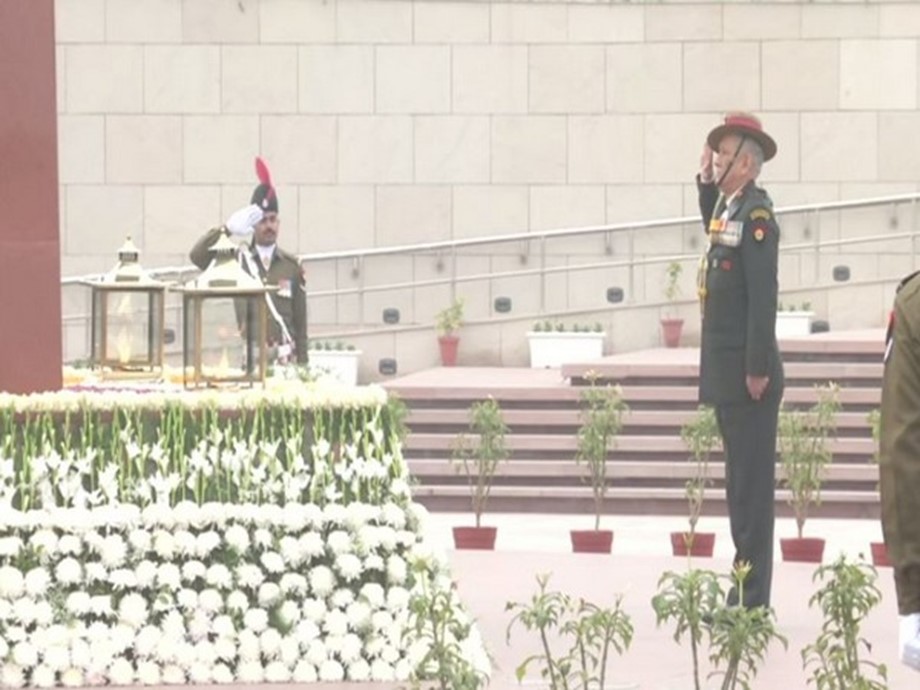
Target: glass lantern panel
[(127, 329), (229, 347)]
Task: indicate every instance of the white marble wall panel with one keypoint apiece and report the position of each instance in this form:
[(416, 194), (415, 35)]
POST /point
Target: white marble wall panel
[(375, 149), (683, 22), (878, 75), (258, 79), (143, 21), (721, 76), (165, 230), (413, 79), (606, 24), (302, 149), (607, 148), (220, 21), (786, 85), (566, 79), (529, 23), (644, 78), (451, 22), (81, 149), (407, 214), (452, 149), (336, 79), (839, 146), (489, 79), (566, 206), (220, 148), (105, 79), (481, 210), (99, 218), (143, 149), (372, 21), (528, 149), (839, 20), (79, 21), (297, 21), (182, 79), (336, 217)]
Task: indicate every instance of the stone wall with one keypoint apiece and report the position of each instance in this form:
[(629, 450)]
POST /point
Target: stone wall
[(394, 121)]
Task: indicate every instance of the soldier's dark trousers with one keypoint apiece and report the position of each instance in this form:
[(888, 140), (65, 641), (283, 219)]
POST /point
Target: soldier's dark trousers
[(748, 432)]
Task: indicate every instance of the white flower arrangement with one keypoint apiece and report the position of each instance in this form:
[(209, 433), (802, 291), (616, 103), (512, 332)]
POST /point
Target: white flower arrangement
[(198, 538)]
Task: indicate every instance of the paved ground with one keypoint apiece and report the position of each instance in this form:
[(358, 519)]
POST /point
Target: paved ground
[(532, 544)]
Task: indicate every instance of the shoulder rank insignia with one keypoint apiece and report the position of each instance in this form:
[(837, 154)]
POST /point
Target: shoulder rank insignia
[(760, 214)]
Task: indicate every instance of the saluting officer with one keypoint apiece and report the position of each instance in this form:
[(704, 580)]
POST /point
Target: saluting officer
[(899, 461), (741, 372), (262, 257)]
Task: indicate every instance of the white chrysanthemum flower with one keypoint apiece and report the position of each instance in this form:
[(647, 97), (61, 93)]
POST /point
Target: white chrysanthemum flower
[(249, 575), (187, 599), (56, 657), (45, 542), (199, 626), (25, 654), (402, 670), (373, 594), (210, 601), (95, 572), (192, 570), (277, 672), (173, 675), (250, 672), (290, 550), (141, 541), (374, 563), (409, 538), (223, 626), (173, 624), (304, 672), (382, 672), (145, 572), (199, 673), (306, 631), (335, 514), (311, 544), (206, 543), (123, 578), (148, 673), (314, 610), (114, 551), (68, 572), (289, 613), (15, 633), (121, 672), (70, 544), (222, 673), (225, 649), (289, 651), (237, 538), (272, 562), (390, 653), (393, 515), (331, 671), (164, 545), (269, 593), (349, 566), (43, 677), (341, 598), (249, 648), (185, 656), (358, 670), (351, 648), (381, 620), (219, 575), (72, 678), (397, 570), (185, 543), (10, 546), (237, 601), (387, 539), (78, 603), (256, 620), (339, 542), (358, 614), (169, 576), (322, 580), (132, 610), (398, 598), (146, 641), (101, 605), (80, 655), (263, 538), (24, 610), (293, 583), (36, 582), (270, 643), (316, 652), (336, 623)]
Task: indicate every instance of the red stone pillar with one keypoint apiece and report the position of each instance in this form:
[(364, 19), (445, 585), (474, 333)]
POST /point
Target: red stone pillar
[(30, 263)]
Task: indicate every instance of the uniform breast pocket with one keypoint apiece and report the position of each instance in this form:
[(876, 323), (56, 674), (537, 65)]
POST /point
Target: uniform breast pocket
[(724, 272), (284, 289)]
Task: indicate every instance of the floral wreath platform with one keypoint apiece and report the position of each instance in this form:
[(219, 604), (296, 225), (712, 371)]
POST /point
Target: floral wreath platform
[(218, 537)]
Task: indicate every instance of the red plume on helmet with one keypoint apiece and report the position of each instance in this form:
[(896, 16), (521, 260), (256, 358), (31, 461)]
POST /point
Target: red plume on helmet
[(265, 177)]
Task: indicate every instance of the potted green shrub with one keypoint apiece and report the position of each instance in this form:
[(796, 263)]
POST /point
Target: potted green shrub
[(447, 322), (793, 321), (478, 455), (804, 456), (602, 419), (671, 325), (848, 595), (592, 633), (333, 361), (701, 436), (554, 344), (878, 548)]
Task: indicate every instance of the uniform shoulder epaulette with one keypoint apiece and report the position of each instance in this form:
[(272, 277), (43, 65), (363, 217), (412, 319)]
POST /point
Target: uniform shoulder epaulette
[(284, 254), (906, 280), (760, 213)]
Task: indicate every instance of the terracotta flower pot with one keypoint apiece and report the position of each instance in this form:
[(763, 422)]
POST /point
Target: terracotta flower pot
[(448, 345), (703, 544), (670, 331), (481, 538), (880, 554), (805, 550), (592, 540)]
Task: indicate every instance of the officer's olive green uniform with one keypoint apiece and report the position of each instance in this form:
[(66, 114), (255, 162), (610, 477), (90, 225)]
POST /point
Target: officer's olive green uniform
[(290, 300), (899, 451), (738, 293)]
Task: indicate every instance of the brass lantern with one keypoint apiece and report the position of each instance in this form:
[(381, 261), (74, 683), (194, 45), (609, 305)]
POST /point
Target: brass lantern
[(225, 323), (127, 319)]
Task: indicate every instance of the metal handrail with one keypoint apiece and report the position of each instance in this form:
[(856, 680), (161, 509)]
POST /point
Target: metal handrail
[(445, 246)]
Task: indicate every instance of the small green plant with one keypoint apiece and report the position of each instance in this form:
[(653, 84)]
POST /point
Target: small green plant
[(559, 327), (874, 418), (689, 600), (848, 595), (672, 278), (449, 320), (480, 453), (602, 419), (701, 436), (739, 636), (804, 450), (591, 631), (435, 616)]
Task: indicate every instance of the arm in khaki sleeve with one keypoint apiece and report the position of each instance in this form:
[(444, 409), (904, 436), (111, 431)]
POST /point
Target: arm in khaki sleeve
[(760, 255), (708, 196), (201, 253), (299, 299)]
